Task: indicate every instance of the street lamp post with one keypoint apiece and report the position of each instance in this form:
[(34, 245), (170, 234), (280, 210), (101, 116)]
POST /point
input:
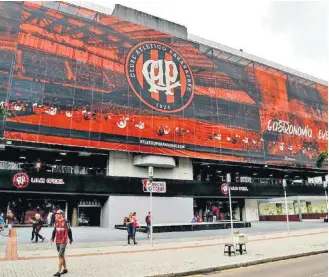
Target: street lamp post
[(284, 185), (150, 171), (228, 180), (325, 185)]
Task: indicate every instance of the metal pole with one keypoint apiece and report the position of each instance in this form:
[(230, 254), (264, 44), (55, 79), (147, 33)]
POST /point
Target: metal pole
[(287, 212), (229, 197), (151, 231), (150, 170), (325, 192)]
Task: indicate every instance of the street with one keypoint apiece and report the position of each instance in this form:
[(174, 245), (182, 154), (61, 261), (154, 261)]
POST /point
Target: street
[(311, 266)]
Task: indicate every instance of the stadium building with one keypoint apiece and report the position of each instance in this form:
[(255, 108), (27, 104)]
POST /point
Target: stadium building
[(91, 97)]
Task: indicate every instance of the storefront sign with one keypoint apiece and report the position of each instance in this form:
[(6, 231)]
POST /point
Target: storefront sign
[(224, 188), (244, 179), (157, 187), (22, 180), (47, 181), (238, 188), (88, 203)]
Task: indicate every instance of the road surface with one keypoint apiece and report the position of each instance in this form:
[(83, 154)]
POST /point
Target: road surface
[(311, 266)]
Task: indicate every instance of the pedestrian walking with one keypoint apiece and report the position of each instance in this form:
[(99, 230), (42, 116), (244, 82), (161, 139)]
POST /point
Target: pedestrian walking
[(2, 222), (33, 221), (135, 226), (148, 224), (63, 233), (49, 218), (37, 228), (10, 221), (129, 224)]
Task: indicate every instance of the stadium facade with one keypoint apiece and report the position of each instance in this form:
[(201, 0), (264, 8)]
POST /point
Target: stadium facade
[(91, 98)]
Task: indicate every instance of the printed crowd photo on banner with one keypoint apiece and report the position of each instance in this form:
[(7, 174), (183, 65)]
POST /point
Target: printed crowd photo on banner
[(141, 90)]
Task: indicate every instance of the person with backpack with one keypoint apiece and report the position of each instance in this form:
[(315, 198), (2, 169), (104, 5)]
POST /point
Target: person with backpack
[(63, 233), (148, 224)]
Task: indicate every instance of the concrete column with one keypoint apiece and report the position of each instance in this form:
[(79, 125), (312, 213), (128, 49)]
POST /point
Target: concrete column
[(74, 222), (108, 165)]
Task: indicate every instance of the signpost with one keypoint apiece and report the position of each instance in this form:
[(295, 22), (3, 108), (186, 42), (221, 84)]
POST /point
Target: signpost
[(227, 190), (156, 187)]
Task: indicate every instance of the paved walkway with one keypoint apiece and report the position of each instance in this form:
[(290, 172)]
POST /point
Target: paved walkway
[(166, 256)]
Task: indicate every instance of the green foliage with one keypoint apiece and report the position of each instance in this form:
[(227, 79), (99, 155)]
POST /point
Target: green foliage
[(279, 210), (322, 159), (310, 209)]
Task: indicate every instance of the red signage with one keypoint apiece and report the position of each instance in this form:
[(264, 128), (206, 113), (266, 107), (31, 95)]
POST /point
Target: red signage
[(156, 72), (156, 187), (21, 180), (224, 188), (113, 84)]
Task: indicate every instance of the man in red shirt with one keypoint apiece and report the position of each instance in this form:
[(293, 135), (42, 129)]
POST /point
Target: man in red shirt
[(63, 233)]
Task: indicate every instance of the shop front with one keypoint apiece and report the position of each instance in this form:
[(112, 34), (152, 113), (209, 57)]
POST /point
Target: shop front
[(101, 200), (27, 193)]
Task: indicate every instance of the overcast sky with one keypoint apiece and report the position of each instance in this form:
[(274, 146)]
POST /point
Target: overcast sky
[(294, 34)]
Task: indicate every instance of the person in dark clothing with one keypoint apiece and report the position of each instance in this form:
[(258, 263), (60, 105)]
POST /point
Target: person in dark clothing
[(63, 233), (33, 221), (148, 224), (37, 228)]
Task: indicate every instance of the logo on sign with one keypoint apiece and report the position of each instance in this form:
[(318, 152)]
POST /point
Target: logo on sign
[(157, 187), (224, 188), (159, 76), (21, 180)]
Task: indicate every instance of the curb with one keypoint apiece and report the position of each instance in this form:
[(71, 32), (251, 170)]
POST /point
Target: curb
[(239, 265)]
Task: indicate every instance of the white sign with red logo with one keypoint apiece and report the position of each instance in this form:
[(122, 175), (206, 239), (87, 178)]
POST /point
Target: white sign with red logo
[(156, 187), (224, 188), (21, 180)]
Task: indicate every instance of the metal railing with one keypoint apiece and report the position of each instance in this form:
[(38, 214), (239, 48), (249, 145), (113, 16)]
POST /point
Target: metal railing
[(61, 169)]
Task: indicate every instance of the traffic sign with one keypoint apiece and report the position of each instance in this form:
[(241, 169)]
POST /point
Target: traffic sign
[(224, 188)]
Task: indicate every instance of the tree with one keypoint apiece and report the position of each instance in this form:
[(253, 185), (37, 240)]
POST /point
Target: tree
[(322, 159)]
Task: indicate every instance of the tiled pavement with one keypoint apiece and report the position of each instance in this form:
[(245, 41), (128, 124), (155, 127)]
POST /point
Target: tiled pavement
[(169, 256)]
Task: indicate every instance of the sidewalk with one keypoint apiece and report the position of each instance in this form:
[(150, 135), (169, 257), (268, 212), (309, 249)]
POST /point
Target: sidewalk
[(166, 257)]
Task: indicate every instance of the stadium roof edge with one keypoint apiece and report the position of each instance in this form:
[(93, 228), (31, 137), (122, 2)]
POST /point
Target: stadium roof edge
[(225, 52), (256, 59)]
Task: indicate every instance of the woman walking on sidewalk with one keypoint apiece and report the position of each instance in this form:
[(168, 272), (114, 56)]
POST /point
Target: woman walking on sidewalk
[(130, 227), (135, 226)]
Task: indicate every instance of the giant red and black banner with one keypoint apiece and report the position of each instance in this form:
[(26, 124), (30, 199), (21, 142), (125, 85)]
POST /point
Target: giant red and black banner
[(71, 76)]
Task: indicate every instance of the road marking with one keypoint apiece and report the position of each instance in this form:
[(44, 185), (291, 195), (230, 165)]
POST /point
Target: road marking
[(12, 248)]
